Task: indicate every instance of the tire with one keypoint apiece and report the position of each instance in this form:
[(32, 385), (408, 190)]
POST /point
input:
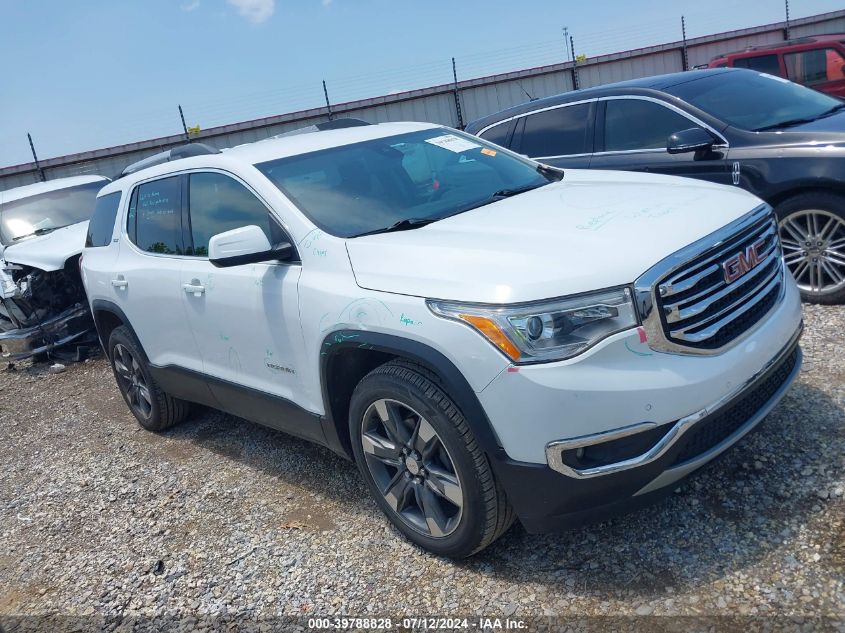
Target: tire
[(812, 230), (154, 409), (441, 492)]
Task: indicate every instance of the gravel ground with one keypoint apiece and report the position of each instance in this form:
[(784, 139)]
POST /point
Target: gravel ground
[(220, 516)]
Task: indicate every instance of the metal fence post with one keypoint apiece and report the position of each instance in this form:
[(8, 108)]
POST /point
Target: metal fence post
[(35, 158), (184, 127), (786, 28), (576, 83), (457, 96), (685, 57), (328, 103)]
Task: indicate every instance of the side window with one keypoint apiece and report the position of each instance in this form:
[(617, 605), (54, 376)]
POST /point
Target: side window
[(154, 223), (637, 124), (101, 226), (556, 132), (498, 134), (218, 203), (761, 63), (815, 66)]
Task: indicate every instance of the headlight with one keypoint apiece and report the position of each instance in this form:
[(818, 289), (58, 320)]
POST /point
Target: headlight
[(547, 330)]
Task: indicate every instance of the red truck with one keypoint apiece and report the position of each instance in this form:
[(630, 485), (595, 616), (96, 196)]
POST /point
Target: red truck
[(817, 61)]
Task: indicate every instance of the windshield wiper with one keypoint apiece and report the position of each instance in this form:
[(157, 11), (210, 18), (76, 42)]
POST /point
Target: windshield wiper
[(508, 193), (401, 225), (833, 110), (554, 174), (35, 232), (798, 121)]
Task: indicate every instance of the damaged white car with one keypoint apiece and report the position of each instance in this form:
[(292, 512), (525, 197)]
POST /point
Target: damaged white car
[(42, 234)]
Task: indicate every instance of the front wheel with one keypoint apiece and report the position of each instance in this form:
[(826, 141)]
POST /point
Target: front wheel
[(422, 463), (812, 231)]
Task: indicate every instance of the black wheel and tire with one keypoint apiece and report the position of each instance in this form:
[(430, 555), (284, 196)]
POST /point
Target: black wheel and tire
[(422, 464), (812, 231), (154, 409)]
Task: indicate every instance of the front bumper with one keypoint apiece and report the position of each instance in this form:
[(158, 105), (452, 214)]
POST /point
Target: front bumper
[(62, 329), (547, 500)]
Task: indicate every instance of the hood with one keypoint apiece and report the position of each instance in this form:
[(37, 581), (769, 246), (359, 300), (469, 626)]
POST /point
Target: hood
[(49, 251), (593, 230)]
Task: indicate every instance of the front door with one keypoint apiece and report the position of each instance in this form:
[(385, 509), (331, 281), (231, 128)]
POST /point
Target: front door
[(245, 318), (632, 136)]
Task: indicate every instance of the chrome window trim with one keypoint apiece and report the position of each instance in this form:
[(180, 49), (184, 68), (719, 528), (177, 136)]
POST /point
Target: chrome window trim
[(124, 234), (724, 142), (537, 111), (554, 450), (646, 287)]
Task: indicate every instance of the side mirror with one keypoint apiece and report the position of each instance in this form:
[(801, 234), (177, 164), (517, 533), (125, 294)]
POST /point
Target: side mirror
[(691, 140), (246, 245)]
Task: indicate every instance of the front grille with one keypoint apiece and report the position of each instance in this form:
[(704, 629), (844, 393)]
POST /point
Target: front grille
[(700, 309), (726, 421)]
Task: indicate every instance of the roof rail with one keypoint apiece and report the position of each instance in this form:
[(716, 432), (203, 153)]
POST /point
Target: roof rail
[(175, 153), (336, 124)]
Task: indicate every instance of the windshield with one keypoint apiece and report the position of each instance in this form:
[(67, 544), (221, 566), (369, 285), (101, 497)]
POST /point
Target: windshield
[(405, 180), (754, 101), (47, 211)]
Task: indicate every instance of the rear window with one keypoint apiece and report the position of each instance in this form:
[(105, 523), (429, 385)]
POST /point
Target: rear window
[(154, 221), (556, 132), (761, 63), (498, 134), (101, 226)]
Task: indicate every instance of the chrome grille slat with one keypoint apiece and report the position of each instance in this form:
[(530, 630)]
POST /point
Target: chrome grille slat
[(722, 290), (736, 309), (673, 287), (708, 295)]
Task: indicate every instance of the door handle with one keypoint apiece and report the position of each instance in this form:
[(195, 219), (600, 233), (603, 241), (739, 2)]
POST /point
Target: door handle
[(120, 282), (195, 288)]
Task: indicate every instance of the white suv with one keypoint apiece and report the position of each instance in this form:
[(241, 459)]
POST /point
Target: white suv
[(485, 336)]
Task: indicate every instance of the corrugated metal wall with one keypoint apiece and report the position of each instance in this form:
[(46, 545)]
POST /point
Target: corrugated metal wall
[(478, 97)]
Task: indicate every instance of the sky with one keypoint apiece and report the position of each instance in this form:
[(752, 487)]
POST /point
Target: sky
[(86, 74)]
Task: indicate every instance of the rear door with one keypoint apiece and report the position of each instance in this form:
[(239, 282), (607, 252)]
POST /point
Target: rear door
[(633, 132), (146, 279), (560, 135)]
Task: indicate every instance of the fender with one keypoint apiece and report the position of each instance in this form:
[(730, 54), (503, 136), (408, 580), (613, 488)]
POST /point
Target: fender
[(452, 380)]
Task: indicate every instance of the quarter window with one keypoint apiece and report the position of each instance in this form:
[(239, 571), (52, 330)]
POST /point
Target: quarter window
[(638, 124), (101, 226), (498, 134), (154, 221), (815, 66), (556, 132), (761, 63), (219, 203)]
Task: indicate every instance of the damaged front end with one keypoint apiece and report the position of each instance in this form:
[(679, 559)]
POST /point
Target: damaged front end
[(42, 310)]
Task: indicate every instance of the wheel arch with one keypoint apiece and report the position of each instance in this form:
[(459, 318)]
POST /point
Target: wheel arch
[(348, 355), (834, 187), (107, 317)]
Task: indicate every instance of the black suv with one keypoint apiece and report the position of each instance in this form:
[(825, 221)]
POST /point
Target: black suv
[(781, 141)]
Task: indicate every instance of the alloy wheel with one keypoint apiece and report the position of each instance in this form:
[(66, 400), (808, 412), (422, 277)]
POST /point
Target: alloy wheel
[(814, 249), (412, 468), (132, 382)]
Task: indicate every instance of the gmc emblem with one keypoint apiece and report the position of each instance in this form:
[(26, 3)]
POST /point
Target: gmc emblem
[(742, 262)]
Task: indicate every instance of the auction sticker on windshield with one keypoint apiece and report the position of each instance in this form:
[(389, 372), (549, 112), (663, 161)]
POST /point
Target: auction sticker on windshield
[(452, 143)]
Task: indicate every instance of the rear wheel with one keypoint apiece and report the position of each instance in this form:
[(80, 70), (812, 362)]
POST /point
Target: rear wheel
[(154, 409), (422, 463), (812, 230)]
